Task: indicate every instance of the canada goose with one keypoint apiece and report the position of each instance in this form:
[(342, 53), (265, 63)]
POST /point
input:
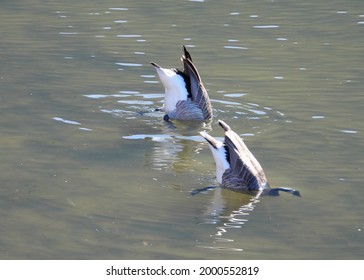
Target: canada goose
[(185, 95), (236, 166)]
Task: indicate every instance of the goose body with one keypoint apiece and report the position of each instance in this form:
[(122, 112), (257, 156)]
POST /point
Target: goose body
[(185, 95), (236, 166)]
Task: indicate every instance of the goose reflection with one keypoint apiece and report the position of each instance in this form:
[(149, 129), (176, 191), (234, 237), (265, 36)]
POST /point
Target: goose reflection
[(224, 213), (172, 149)]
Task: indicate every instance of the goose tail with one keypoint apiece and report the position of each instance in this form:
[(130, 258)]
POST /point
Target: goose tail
[(224, 125)]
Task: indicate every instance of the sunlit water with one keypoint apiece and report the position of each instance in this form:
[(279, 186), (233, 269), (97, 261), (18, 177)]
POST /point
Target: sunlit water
[(90, 171)]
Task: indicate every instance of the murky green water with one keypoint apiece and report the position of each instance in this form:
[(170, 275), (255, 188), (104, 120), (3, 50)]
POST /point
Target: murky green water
[(89, 171)]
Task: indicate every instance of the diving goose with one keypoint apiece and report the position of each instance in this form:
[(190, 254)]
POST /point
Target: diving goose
[(236, 166), (185, 95)]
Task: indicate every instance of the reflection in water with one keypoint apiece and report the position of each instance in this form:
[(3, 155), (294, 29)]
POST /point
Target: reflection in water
[(220, 214), (171, 150)]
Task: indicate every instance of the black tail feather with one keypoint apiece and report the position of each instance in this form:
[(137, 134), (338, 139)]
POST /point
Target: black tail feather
[(186, 53)]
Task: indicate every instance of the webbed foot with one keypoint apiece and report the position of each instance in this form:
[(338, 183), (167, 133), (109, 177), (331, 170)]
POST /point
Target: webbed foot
[(275, 191), (167, 119), (194, 192)]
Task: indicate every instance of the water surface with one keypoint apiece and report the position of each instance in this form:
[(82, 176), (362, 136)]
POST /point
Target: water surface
[(90, 171)]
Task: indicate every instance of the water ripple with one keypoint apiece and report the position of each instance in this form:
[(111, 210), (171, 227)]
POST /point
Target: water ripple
[(129, 36), (62, 120), (349, 131), (99, 96), (66, 121), (235, 47), (234, 94), (127, 64), (118, 9), (266, 26), (153, 137), (225, 102), (136, 102)]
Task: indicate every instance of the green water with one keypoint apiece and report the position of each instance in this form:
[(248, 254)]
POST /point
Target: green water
[(89, 171)]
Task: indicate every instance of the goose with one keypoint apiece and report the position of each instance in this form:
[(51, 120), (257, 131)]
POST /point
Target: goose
[(236, 167), (185, 95)]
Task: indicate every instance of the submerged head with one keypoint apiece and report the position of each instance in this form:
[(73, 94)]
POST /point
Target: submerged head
[(219, 153)]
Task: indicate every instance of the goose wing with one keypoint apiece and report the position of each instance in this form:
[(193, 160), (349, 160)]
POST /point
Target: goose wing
[(242, 161), (198, 91)]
